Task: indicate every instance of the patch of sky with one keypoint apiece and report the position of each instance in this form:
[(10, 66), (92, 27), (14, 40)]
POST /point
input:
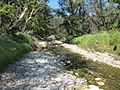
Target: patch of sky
[(53, 4)]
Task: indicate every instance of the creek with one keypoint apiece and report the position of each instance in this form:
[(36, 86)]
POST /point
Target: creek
[(55, 68), (96, 73)]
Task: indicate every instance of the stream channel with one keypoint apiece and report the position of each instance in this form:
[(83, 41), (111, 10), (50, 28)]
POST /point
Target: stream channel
[(99, 74), (39, 70)]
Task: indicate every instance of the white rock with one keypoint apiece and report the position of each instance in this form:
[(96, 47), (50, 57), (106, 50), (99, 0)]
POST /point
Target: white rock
[(58, 79), (101, 83), (93, 87), (68, 62), (98, 79), (41, 61), (43, 43), (76, 74)]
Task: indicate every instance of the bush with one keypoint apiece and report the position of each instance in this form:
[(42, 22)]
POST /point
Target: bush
[(11, 50), (104, 42)]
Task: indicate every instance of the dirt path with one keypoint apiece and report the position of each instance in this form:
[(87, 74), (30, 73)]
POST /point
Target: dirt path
[(94, 56)]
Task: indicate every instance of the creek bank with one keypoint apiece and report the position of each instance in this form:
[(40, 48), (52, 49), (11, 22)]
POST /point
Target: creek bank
[(94, 56)]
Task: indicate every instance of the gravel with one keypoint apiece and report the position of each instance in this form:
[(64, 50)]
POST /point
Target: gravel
[(39, 71)]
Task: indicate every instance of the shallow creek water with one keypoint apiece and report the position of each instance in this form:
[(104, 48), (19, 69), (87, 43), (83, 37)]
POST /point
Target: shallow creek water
[(94, 72)]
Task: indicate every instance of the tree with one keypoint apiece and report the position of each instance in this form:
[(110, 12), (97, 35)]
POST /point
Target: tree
[(116, 22), (75, 16), (6, 16), (27, 16)]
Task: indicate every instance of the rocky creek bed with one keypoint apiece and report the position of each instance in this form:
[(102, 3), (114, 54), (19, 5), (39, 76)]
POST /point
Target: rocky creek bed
[(57, 69), (39, 71)]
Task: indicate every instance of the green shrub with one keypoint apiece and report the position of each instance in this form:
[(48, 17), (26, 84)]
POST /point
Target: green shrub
[(104, 42), (11, 50)]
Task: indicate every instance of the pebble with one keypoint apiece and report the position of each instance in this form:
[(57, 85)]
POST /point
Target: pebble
[(93, 87), (101, 83), (98, 79)]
